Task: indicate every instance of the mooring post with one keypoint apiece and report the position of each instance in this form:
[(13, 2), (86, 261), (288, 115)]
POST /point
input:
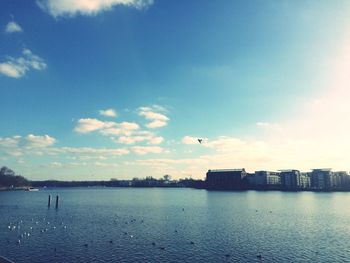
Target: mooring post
[(49, 201), (56, 201)]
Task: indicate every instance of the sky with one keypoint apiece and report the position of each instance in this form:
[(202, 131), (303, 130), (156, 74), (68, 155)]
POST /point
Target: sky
[(100, 89)]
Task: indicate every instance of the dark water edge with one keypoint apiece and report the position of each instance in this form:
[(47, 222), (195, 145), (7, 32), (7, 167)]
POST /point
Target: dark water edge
[(174, 225)]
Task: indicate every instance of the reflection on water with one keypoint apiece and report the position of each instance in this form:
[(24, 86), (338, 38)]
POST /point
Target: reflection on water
[(174, 225)]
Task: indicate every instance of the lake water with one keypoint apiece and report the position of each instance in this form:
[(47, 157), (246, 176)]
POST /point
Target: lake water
[(174, 225)]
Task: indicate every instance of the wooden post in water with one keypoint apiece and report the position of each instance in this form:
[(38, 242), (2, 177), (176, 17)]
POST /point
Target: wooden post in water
[(56, 201), (49, 201)]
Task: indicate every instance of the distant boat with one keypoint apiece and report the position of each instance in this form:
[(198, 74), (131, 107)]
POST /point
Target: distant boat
[(32, 189)]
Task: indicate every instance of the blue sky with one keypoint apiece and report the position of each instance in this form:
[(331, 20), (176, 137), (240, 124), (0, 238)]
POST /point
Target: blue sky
[(122, 88)]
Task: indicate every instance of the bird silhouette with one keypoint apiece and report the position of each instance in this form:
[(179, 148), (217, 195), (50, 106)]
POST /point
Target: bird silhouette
[(200, 141)]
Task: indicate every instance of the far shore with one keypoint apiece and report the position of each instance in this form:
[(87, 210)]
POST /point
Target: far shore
[(19, 188), (26, 188)]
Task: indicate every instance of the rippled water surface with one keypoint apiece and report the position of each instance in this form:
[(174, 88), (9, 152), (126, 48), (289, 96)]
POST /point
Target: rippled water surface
[(174, 225)]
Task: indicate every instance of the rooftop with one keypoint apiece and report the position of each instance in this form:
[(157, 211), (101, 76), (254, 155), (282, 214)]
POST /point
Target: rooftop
[(227, 170)]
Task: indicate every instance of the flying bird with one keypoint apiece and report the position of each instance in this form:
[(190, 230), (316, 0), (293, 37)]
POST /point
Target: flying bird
[(200, 140)]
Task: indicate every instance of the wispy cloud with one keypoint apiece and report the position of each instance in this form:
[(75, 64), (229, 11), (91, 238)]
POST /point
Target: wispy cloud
[(152, 114), (124, 132), (29, 141), (150, 138), (108, 113), (156, 124), (131, 139), (37, 141), (18, 67), (44, 145), (13, 27), (92, 152), (17, 145), (123, 128), (142, 150), (156, 140), (71, 8)]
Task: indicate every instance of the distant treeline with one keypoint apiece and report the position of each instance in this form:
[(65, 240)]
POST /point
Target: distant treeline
[(8, 179), (136, 182)]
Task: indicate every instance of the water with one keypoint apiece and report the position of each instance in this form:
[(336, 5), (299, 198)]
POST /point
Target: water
[(174, 225)]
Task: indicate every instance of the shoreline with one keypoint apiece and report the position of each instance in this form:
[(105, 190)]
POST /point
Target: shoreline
[(8, 189), (20, 188)]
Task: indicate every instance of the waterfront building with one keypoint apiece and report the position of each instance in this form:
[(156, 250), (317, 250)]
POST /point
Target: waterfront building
[(293, 179), (255, 179), (262, 178), (304, 181), (226, 179), (290, 179), (342, 179), (322, 179), (273, 178), (336, 180)]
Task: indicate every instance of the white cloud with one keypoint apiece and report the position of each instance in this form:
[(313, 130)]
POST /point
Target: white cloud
[(87, 7), (149, 114), (33, 141), (100, 164), (30, 141), (156, 119), (146, 149), (18, 145), (156, 124), (131, 139), (108, 113), (13, 27), (89, 125), (44, 145), (18, 67), (129, 126), (10, 142), (126, 132), (151, 139), (156, 140), (139, 136), (190, 140), (105, 127), (168, 161), (88, 151), (123, 128), (36, 145), (225, 144), (88, 157)]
